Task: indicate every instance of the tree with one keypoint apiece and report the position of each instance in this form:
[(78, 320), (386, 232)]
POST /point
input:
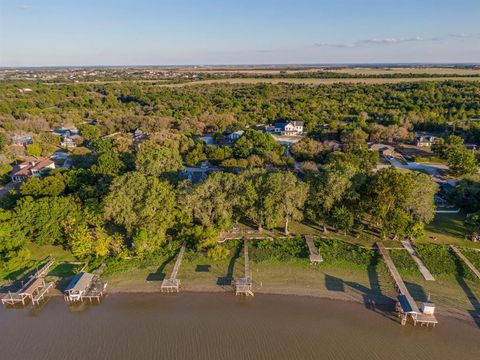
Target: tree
[(42, 220), (397, 201), (212, 202), (144, 206), (3, 141), (81, 241), (330, 187), (196, 155), (307, 150), (155, 160), (445, 147), (34, 149), (254, 142), (462, 162), (354, 140), (49, 186), (343, 218), (4, 173), (109, 163), (89, 132), (284, 197)]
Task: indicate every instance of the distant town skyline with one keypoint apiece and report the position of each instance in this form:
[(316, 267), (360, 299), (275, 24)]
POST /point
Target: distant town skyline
[(215, 32)]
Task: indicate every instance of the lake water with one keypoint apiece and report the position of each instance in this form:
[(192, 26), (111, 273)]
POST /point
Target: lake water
[(222, 326)]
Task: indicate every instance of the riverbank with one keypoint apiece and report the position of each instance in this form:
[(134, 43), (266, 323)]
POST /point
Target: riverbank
[(455, 297)]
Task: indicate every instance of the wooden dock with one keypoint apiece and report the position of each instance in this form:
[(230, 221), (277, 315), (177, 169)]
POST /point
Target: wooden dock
[(421, 266), (314, 256), (465, 260), (86, 286), (406, 305), (172, 284), (34, 289), (243, 286), (246, 234)]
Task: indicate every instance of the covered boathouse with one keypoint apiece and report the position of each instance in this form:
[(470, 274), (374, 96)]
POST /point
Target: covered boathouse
[(78, 286)]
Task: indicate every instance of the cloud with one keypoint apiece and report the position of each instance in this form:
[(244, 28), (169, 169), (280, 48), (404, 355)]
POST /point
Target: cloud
[(374, 41), (24, 7), (459, 35)]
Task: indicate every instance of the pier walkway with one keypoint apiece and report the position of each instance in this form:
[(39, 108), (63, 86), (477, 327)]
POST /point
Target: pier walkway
[(243, 286), (34, 289), (465, 260), (314, 256), (421, 266), (172, 284), (406, 304)]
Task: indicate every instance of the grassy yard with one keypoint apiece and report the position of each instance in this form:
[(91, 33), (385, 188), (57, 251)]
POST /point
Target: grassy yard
[(448, 229), (38, 256)]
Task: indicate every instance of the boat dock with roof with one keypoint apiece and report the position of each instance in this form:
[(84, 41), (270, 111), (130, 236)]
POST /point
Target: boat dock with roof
[(406, 305), (86, 286), (172, 284)]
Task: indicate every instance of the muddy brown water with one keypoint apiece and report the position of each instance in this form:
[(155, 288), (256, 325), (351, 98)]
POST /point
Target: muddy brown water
[(222, 326)]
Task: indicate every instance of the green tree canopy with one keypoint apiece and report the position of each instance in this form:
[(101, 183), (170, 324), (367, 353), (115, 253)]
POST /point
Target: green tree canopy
[(144, 206), (254, 142), (155, 160)]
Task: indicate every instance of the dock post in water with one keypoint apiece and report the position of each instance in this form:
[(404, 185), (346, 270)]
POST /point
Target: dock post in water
[(172, 284), (406, 305), (314, 256), (465, 260), (243, 286)]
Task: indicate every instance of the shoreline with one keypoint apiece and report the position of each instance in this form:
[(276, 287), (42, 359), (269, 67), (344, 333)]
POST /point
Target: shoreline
[(381, 300)]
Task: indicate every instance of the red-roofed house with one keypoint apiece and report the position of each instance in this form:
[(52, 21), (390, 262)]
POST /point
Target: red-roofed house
[(31, 167)]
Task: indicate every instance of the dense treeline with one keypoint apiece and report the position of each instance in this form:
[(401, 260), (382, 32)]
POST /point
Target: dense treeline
[(122, 199), (120, 203), (126, 106)]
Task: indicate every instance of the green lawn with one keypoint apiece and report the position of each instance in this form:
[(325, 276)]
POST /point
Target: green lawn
[(39, 254), (448, 229)]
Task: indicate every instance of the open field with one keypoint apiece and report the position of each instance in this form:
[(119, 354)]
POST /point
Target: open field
[(276, 70), (319, 81), (419, 70)]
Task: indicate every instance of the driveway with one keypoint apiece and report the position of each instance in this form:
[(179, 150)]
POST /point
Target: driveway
[(431, 169)]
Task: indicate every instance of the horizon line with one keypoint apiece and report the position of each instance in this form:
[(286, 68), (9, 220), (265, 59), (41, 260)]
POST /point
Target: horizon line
[(328, 64)]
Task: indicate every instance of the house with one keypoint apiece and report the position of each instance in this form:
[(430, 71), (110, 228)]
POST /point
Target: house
[(33, 167), (69, 142), (78, 286), (21, 139), (63, 131), (384, 150), (425, 140), (235, 135), (291, 128)]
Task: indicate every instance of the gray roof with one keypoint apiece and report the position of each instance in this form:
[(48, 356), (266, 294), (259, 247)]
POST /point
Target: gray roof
[(80, 282)]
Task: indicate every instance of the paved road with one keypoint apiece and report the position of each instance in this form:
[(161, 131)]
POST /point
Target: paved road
[(6, 188)]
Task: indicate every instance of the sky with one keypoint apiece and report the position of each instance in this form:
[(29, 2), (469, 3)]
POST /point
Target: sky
[(215, 32)]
